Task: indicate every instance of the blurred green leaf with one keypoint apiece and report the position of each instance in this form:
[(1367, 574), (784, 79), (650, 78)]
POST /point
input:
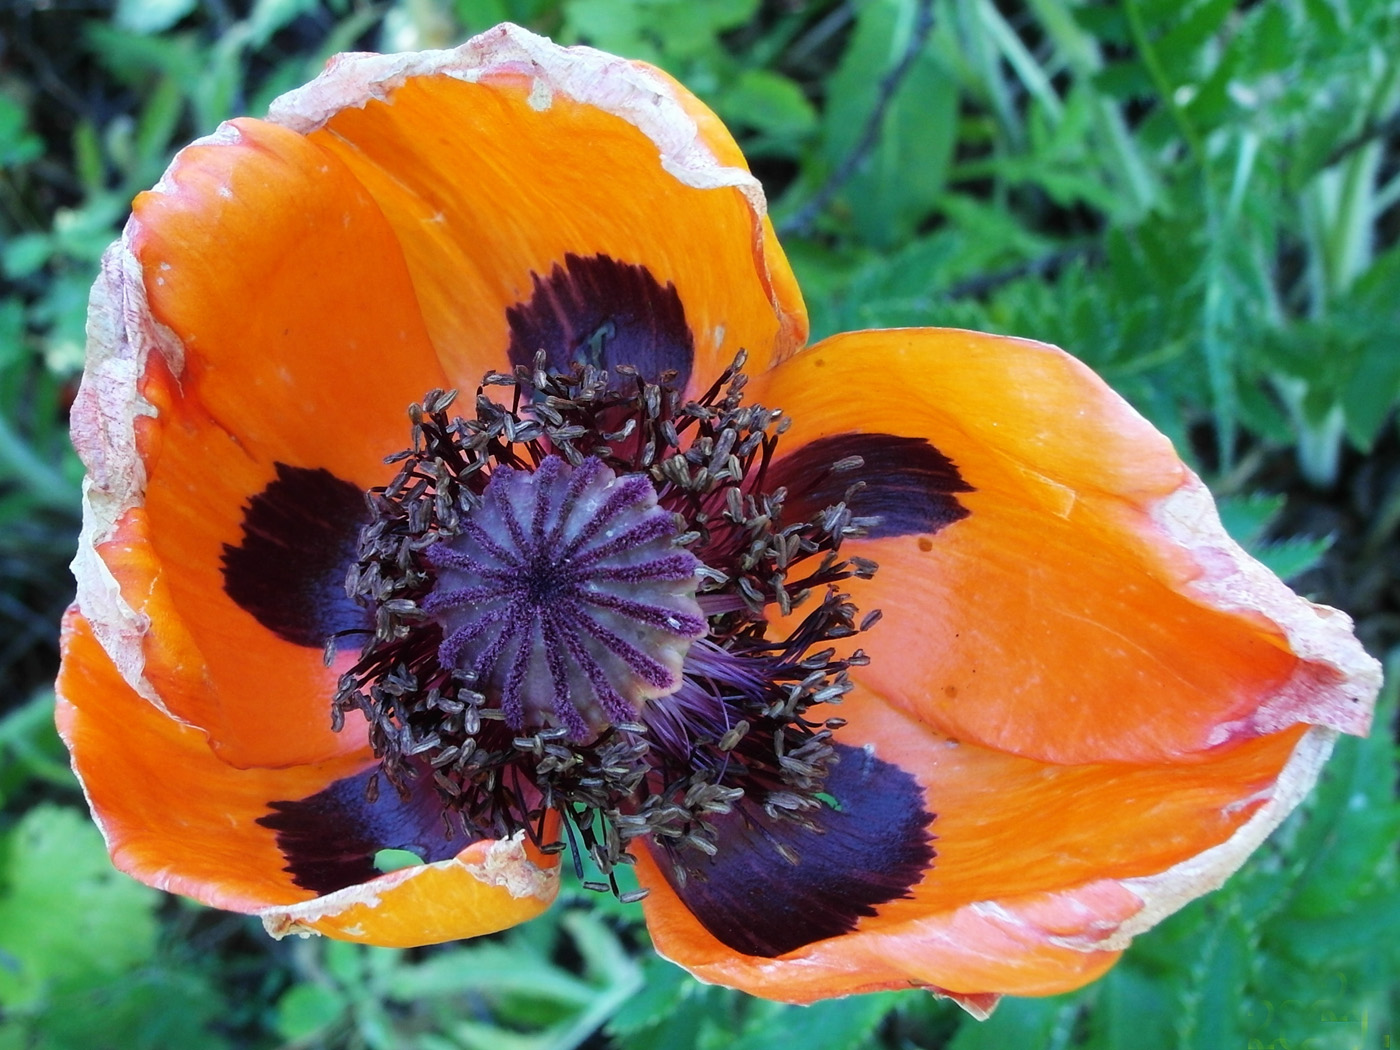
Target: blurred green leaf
[(1191, 25), (25, 255), (904, 176), (396, 859), (151, 16), (80, 964), (18, 145), (1290, 558), (30, 748), (1130, 1007), (1246, 518), (767, 103), (662, 31), (66, 917), (496, 969), (663, 989), (307, 1010), (268, 16)]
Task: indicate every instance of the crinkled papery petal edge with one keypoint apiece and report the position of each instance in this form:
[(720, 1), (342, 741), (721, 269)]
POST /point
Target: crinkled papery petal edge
[(633, 91), (489, 886), (616, 85), (121, 336), (1337, 681), (1171, 890)]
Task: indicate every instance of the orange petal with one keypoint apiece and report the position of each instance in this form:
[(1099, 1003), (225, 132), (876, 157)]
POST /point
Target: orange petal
[(1001, 946), (173, 814), (1090, 606), (495, 160), (1016, 903), (489, 886), (257, 310), (178, 818)]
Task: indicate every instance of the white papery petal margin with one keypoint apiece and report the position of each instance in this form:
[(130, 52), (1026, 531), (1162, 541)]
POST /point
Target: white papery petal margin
[(614, 85), (121, 335), (629, 90), (1179, 885), (1336, 681)]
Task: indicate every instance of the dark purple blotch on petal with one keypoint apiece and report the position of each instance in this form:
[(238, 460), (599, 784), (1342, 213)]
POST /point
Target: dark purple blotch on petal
[(300, 537), (905, 483), (330, 838), (872, 847), (597, 311)]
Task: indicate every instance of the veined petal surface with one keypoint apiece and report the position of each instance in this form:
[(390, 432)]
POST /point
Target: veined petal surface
[(1089, 607), (231, 332)]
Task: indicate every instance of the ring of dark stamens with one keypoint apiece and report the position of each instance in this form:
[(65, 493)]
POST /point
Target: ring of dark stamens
[(742, 724)]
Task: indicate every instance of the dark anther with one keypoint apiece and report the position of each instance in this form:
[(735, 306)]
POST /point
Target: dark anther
[(571, 588)]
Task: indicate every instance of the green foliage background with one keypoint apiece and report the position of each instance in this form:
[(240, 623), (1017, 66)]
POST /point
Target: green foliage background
[(1196, 196)]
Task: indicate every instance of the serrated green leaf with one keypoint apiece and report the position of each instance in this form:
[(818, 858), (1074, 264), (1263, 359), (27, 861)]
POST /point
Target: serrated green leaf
[(1192, 25), (1246, 517), (836, 1024), (701, 1018), (1211, 1015), (605, 957), (664, 985), (1289, 558), (1042, 1023), (1268, 46)]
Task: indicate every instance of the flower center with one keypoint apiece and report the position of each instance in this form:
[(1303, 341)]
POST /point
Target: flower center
[(548, 640), (565, 598)]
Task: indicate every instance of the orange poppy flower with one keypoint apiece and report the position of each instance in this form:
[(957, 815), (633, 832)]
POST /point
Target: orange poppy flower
[(617, 600)]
